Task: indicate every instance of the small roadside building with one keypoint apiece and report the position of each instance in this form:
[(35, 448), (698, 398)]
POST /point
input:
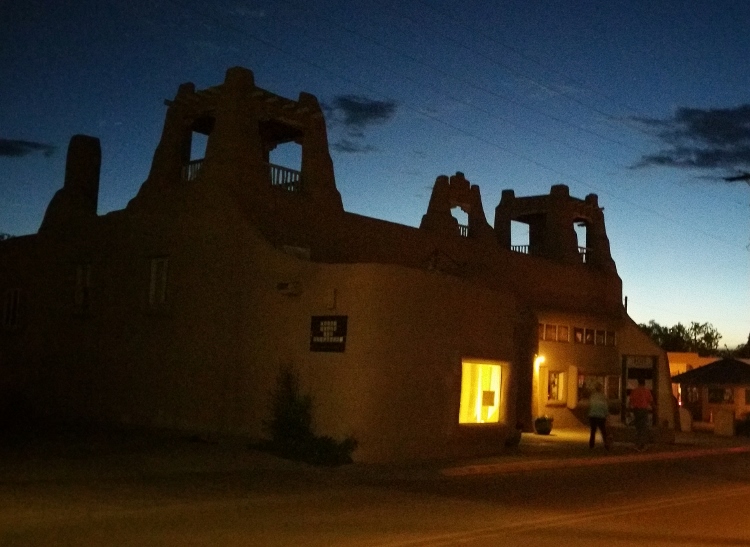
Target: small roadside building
[(722, 385), (180, 310)]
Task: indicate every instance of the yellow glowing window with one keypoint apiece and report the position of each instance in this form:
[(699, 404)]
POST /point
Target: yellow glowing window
[(480, 393)]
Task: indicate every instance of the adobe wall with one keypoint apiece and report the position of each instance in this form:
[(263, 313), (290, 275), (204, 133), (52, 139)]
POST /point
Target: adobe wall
[(209, 358)]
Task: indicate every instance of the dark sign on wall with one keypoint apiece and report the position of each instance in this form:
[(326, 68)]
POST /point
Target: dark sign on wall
[(328, 333)]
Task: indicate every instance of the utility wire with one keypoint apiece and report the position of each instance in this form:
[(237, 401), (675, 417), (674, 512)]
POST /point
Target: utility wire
[(421, 112)]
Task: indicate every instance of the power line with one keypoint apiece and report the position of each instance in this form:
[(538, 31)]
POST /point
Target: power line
[(436, 119)]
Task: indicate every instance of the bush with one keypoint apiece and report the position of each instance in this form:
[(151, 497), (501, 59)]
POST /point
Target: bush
[(291, 427)]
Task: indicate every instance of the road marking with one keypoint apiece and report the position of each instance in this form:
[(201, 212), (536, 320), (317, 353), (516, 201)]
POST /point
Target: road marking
[(569, 518), (556, 463)]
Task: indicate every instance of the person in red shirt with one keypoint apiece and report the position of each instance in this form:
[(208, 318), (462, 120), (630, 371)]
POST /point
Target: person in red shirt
[(641, 402)]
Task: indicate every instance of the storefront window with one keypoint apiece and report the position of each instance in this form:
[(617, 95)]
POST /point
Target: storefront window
[(480, 393)]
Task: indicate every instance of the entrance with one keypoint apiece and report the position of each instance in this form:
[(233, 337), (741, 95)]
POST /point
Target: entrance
[(635, 367)]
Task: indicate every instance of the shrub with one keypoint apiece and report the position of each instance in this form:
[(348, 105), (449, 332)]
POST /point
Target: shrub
[(291, 427)]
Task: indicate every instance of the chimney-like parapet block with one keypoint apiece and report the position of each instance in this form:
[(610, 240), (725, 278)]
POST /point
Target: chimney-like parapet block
[(318, 179), (479, 228), (438, 218), (78, 199)]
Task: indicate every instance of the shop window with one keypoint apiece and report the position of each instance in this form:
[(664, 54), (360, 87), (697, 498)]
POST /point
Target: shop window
[(720, 395), (554, 333), (587, 384), (612, 387), (556, 389), (480, 393)]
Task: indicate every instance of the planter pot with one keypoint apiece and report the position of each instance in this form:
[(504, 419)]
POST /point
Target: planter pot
[(543, 426)]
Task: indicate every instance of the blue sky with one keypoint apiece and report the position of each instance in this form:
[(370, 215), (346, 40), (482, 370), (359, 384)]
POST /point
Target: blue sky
[(643, 103)]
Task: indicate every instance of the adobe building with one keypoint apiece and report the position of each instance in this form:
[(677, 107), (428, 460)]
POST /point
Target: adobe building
[(180, 310)]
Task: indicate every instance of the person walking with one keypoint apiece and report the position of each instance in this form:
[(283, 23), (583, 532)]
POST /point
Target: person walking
[(641, 402), (598, 412)]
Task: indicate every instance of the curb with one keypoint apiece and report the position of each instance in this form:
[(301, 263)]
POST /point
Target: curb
[(536, 465)]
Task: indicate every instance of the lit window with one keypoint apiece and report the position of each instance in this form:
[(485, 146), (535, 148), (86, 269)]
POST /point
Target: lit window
[(556, 387), (480, 393), (157, 293)]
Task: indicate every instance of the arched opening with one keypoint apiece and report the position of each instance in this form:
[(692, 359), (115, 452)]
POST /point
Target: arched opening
[(581, 229), (462, 218), (519, 236)]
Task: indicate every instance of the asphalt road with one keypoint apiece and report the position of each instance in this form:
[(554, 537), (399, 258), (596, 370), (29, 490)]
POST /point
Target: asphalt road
[(106, 491)]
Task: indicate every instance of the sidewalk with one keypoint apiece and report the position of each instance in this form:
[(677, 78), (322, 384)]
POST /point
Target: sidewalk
[(97, 455), (569, 448)]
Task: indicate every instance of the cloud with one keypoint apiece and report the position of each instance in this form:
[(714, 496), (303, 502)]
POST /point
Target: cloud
[(16, 148), (351, 147), (356, 113), (700, 138), (359, 112)]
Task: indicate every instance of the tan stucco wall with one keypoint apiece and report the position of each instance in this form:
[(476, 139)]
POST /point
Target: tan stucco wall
[(417, 302)]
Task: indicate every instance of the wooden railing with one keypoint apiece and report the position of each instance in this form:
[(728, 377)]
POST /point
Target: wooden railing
[(584, 252), (190, 170), (283, 177), (280, 177)]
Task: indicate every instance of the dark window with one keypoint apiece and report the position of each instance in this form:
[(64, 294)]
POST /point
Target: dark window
[(11, 308), (720, 395)]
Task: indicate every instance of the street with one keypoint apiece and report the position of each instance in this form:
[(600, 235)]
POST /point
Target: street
[(202, 494)]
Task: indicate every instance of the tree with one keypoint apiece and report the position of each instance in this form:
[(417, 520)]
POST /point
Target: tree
[(743, 350), (701, 338)]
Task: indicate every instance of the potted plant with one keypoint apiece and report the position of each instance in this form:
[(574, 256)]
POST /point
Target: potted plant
[(543, 425)]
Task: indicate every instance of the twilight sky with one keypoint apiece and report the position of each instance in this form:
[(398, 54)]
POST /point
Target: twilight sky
[(645, 103)]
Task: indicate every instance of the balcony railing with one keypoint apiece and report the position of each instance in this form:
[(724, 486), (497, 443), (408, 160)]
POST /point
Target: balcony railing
[(190, 170), (584, 252), (280, 177), (463, 230), (285, 178)]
